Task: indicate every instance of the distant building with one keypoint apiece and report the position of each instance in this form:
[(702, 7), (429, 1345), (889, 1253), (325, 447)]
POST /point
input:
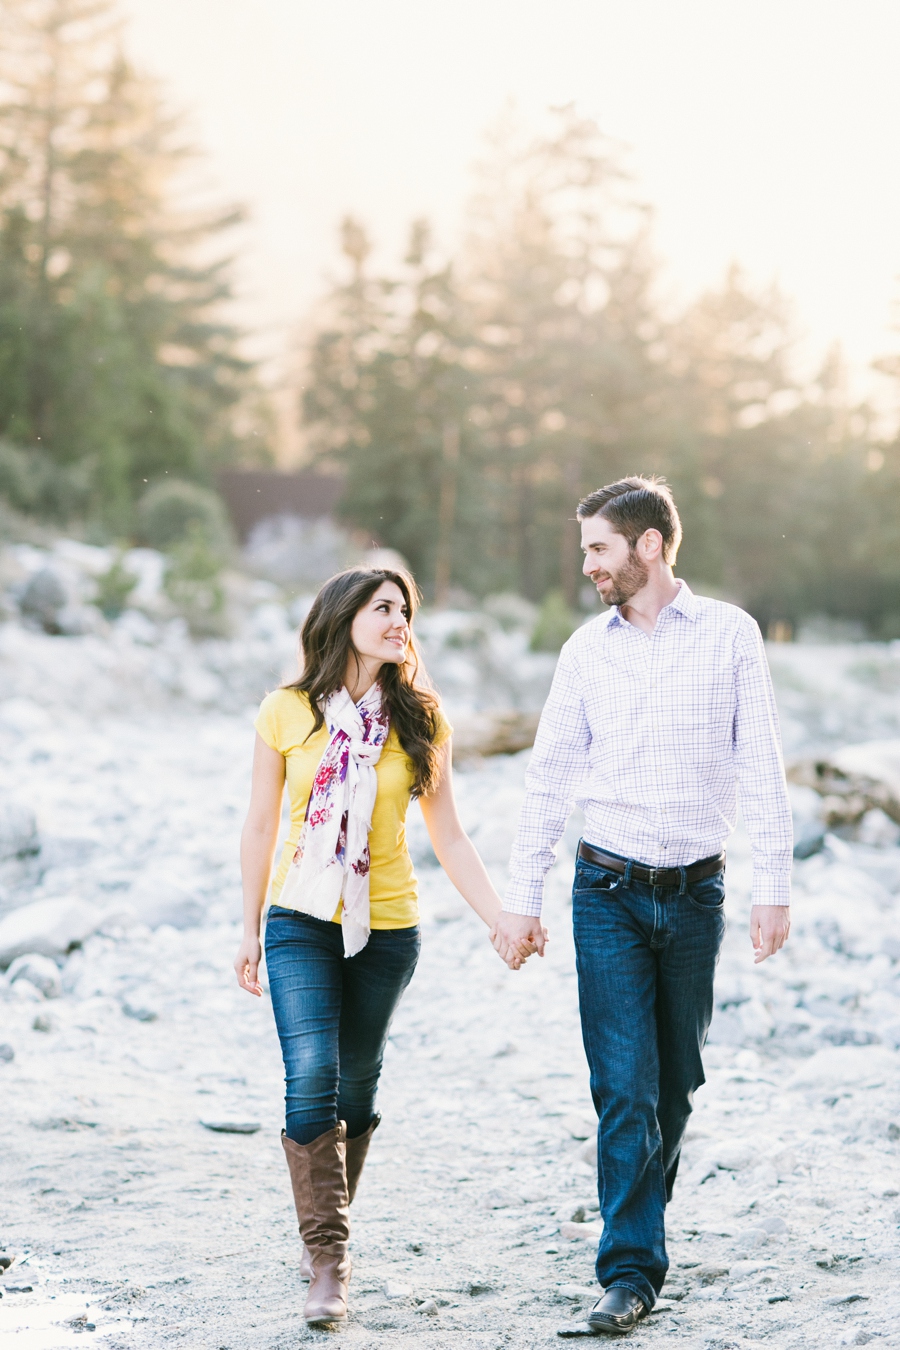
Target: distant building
[(254, 495), (286, 525)]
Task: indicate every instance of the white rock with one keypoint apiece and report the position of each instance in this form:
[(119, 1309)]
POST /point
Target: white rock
[(751, 1238), (735, 1156), (764, 1177), (580, 1127), (785, 1162), (588, 1153), (47, 928), (739, 1270), (396, 1291), (847, 1066), (878, 830), (575, 1291), (806, 803), (879, 760), (23, 716), (499, 1198), (158, 897), (585, 1232), (23, 991), (135, 625), (39, 971), (86, 558)]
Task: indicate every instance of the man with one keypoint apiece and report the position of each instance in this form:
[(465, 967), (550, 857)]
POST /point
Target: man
[(659, 710)]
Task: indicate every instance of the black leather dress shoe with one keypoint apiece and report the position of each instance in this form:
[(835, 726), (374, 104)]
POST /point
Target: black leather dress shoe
[(617, 1312)]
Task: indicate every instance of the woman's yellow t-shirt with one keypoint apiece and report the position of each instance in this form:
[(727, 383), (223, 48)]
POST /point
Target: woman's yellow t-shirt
[(284, 721)]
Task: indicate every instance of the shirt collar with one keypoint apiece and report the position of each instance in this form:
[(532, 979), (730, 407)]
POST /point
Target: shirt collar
[(685, 602)]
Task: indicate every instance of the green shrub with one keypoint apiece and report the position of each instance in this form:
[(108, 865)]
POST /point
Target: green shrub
[(555, 623), (113, 589), (31, 481), (192, 584), (19, 482), (171, 512)]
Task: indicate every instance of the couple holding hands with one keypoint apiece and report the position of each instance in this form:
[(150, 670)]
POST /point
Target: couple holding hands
[(660, 709)]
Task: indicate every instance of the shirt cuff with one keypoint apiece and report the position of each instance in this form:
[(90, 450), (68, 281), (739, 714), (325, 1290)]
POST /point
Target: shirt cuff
[(771, 888), (524, 900)]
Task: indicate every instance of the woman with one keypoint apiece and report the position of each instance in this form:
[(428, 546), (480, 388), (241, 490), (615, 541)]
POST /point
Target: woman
[(355, 737)]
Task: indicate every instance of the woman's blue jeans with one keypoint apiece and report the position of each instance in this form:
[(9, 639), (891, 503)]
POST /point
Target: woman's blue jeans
[(646, 957), (333, 1014)]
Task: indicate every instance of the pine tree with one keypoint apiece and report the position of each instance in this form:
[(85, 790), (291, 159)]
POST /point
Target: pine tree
[(561, 282), (387, 399), (116, 361)]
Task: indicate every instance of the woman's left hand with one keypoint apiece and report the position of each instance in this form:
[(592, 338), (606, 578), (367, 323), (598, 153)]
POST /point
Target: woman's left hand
[(246, 964), (515, 957)]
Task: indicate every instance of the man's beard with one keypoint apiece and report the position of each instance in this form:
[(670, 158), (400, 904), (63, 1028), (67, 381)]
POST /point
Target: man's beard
[(627, 581)]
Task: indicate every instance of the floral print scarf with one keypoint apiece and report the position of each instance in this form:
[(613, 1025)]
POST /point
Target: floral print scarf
[(332, 860)]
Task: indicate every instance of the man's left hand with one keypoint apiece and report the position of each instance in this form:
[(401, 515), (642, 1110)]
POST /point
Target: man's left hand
[(769, 928)]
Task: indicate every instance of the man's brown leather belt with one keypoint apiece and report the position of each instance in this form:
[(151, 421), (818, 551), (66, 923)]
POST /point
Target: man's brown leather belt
[(652, 876)]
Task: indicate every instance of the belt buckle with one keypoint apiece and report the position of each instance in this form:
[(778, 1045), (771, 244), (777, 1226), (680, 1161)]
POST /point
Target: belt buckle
[(655, 874)]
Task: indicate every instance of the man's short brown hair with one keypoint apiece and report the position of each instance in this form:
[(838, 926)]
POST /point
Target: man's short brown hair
[(634, 505)]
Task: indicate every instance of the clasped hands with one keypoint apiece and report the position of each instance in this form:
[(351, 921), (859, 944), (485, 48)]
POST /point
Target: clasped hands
[(515, 937)]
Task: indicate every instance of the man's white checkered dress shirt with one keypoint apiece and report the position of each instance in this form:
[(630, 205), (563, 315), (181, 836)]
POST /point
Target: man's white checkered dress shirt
[(651, 735)]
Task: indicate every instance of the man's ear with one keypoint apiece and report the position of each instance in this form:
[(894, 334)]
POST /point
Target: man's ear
[(651, 545)]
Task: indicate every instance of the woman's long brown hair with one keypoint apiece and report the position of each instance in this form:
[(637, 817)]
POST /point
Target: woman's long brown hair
[(327, 647)]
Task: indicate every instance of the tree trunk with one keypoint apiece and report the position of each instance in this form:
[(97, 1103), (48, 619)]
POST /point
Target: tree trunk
[(443, 566)]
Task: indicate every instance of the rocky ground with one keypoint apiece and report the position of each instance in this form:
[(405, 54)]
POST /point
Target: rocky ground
[(133, 1223)]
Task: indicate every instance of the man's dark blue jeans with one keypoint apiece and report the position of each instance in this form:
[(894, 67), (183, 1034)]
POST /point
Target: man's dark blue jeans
[(333, 1016), (646, 958)]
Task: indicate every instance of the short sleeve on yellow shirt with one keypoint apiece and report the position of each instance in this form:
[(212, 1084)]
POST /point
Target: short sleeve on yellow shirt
[(268, 722), (444, 729), (284, 722)]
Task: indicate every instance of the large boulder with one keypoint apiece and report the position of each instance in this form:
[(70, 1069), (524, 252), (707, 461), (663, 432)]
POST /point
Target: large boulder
[(43, 599), (854, 780), (847, 1066), (493, 733), (46, 928), (158, 898)]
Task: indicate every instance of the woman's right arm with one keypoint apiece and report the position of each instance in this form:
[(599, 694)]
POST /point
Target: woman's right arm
[(258, 840)]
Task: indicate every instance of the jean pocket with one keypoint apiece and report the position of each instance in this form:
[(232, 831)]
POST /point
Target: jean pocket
[(591, 879), (708, 894)]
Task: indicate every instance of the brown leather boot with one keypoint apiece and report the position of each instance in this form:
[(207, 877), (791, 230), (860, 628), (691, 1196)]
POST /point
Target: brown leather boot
[(319, 1182), (357, 1149), (356, 1156)]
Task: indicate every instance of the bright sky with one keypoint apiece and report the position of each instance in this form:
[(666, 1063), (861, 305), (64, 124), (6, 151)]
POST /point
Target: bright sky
[(760, 130)]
